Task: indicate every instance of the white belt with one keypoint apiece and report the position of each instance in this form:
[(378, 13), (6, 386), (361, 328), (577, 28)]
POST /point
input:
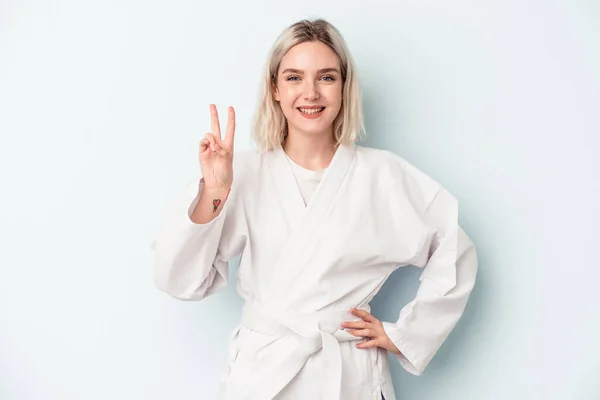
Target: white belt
[(313, 331)]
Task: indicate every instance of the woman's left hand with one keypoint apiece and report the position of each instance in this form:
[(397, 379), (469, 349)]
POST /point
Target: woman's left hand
[(370, 327)]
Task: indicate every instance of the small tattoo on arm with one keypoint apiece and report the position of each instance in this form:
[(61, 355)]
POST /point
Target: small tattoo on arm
[(216, 203)]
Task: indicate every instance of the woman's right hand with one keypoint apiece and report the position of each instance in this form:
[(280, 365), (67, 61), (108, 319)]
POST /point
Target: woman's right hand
[(216, 154)]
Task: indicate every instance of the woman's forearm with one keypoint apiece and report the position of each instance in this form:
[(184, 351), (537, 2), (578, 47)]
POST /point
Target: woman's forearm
[(209, 204)]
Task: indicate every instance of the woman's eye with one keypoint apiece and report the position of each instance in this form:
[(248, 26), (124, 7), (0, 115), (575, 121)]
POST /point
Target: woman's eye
[(327, 78)]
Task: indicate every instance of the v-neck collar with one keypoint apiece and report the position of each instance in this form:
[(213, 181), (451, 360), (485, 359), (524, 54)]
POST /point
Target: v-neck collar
[(289, 192), (303, 173)]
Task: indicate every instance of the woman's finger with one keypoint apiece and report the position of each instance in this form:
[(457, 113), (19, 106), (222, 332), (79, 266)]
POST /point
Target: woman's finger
[(367, 344), (204, 144), (223, 151), (214, 119), (354, 324), (230, 132), (363, 314), (211, 139), (363, 332)]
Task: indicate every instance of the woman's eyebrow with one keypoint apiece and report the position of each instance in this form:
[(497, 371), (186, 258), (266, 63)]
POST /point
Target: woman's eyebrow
[(321, 71)]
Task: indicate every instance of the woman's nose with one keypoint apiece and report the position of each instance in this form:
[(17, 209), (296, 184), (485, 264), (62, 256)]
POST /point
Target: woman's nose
[(311, 91)]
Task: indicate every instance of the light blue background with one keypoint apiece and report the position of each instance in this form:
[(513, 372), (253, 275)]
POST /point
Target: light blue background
[(102, 106)]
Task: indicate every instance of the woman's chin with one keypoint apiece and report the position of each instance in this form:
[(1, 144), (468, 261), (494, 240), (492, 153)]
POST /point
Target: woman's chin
[(312, 128)]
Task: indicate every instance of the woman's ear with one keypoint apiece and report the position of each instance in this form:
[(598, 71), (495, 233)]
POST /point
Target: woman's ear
[(275, 91)]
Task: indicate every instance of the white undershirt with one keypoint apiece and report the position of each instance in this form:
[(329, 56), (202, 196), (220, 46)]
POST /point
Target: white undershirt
[(306, 179)]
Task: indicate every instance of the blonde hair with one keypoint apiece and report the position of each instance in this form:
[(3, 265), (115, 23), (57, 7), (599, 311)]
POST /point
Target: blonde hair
[(270, 127)]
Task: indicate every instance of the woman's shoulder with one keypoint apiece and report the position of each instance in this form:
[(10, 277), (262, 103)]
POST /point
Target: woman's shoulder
[(250, 163), (247, 161), (399, 173), (386, 160)]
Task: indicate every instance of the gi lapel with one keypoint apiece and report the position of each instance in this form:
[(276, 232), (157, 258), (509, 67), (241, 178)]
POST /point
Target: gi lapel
[(306, 219), (287, 188)]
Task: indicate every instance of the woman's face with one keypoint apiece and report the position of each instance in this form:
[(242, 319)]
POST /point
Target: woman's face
[(309, 88)]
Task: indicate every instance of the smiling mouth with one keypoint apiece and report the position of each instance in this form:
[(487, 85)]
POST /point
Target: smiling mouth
[(311, 111)]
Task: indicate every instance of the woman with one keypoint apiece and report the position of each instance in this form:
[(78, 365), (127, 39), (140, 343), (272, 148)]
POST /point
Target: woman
[(320, 223)]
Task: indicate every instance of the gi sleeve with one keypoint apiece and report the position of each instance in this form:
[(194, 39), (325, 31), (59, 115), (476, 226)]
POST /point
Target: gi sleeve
[(450, 268), (191, 260)]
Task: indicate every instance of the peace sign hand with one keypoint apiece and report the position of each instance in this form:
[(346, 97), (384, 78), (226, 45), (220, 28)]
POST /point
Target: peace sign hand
[(370, 327), (216, 154)]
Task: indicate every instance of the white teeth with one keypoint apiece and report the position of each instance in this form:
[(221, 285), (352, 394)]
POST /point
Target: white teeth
[(311, 111)]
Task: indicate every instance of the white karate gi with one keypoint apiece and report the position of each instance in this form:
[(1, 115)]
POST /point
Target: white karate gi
[(303, 267)]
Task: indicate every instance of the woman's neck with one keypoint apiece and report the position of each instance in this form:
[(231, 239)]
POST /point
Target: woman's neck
[(310, 152)]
